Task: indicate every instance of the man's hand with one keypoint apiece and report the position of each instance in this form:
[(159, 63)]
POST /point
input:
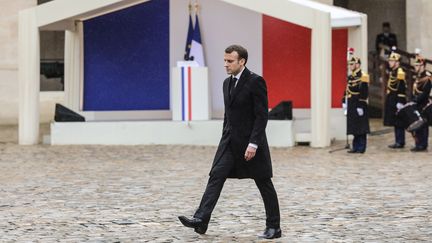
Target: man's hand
[(250, 153)]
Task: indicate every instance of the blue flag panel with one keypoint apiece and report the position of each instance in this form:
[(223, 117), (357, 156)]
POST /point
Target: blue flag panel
[(126, 59)]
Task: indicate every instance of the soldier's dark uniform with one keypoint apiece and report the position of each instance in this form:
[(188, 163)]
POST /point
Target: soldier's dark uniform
[(356, 95), (420, 96), (395, 93)]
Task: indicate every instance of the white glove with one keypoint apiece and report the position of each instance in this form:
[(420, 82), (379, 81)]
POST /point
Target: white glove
[(344, 108), (399, 106), (360, 111)]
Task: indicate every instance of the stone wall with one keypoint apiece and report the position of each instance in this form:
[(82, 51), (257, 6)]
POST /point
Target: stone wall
[(379, 11), (9, 31), (419, 29), (9, 57)]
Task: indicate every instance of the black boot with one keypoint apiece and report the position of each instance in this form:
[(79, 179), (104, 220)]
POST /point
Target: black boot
[(396, 146), (271, 233), (198, 224)]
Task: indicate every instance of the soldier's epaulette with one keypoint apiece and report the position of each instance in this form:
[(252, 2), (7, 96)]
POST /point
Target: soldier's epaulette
[(400, 74), (365, 78)]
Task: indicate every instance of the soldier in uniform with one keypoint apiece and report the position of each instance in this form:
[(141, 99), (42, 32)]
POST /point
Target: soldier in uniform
[(395, 99), (420, 97), (355, 101)]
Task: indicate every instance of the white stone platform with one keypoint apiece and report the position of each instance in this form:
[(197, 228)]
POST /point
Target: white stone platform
[(279, 133)]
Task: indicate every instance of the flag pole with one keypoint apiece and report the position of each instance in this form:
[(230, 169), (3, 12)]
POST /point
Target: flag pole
[(196, 7), (350, 53), (189, 34)]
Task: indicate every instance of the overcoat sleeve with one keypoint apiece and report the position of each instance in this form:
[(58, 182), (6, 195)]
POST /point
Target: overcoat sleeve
[(260, 102)]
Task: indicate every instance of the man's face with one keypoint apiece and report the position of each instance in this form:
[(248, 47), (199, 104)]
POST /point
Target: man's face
[(392, 64), (418, 68), (232, 63), (352, 67), (386, 29)]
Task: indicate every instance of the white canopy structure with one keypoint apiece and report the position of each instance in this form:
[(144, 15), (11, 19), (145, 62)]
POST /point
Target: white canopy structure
[(320, 18), (65, 14)]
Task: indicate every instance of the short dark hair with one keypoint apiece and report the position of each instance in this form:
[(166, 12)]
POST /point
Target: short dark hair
[(386, 24), (242, 52)]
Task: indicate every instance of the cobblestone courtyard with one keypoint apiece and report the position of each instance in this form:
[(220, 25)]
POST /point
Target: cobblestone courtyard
[(135, 193)]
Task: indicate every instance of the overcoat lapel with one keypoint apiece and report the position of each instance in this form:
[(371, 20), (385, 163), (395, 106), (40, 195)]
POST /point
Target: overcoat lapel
[(226, 91), (240, 84)]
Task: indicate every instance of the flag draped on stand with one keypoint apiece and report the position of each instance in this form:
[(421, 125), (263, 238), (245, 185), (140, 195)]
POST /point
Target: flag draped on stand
[(194, 57), (197, 50), (189, 35)]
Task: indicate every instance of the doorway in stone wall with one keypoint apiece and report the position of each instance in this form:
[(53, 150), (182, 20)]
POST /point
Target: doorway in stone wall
[(378, 12), (51, 59)]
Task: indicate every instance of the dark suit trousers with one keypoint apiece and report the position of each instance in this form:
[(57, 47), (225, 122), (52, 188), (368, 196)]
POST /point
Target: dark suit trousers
[(215, 185)]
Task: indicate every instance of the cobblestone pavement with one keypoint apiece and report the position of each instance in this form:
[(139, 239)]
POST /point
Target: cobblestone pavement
[(135, 193)]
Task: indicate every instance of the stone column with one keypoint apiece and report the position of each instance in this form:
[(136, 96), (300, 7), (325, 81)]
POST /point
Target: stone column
[(358, 39), (321, 56), (419, 31), (73, 64), (28, 77)]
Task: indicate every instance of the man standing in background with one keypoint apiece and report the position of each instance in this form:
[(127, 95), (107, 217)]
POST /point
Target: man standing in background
[(385, 41)]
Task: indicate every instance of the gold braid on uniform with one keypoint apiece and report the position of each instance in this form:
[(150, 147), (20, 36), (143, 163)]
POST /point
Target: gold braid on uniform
[(393, 82), (349, 92), (420, 82), (353, 83)]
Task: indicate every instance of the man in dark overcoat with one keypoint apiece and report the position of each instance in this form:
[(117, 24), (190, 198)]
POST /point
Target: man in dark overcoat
[(385, 40), (243, 151)]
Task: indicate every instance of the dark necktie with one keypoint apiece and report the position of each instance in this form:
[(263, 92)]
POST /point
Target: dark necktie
[(232, 86)]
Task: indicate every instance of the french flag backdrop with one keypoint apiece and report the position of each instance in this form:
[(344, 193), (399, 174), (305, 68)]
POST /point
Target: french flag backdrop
[(128, 55), (287, 62), (126, 59)]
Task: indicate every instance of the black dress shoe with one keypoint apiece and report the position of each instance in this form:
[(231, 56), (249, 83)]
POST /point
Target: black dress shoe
[(418, 149), (271, 233), (396, 146), (198, 224)]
